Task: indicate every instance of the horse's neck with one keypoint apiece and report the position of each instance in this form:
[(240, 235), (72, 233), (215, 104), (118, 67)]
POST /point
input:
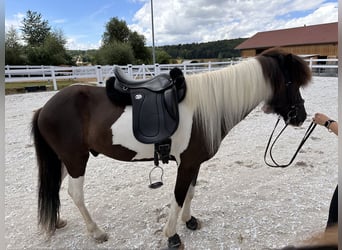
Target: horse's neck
[(223, 98), (245, 88)]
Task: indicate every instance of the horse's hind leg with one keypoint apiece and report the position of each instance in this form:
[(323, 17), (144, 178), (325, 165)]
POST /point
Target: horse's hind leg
[(75, 190)]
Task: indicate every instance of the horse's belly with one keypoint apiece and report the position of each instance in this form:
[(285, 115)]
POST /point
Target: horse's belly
[(122, 131)]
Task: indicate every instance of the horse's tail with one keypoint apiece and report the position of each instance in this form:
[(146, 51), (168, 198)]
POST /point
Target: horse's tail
[(49, 180)]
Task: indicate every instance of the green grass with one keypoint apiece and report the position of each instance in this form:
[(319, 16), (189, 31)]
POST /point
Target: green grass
[(19, 87)]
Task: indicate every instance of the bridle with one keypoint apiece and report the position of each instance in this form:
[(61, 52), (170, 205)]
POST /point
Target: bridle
[(292, 114)]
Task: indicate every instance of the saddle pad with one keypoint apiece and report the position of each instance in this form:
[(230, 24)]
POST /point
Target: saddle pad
[(155, 114)]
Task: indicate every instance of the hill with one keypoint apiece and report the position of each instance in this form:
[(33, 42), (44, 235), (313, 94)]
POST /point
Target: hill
[(209, 50), (218, 49)]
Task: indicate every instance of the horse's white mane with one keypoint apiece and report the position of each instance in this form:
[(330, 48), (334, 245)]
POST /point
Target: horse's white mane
[(224, 97)]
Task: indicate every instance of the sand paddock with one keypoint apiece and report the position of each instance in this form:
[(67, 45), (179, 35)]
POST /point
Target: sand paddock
[(241, 203)]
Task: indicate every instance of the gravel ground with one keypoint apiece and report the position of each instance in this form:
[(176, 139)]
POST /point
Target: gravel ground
[(241, 203)]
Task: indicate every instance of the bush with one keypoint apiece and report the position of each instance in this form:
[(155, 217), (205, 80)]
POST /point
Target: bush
[(115, 53)]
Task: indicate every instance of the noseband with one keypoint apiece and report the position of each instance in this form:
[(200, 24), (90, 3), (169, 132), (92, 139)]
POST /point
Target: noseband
[(292, 114)]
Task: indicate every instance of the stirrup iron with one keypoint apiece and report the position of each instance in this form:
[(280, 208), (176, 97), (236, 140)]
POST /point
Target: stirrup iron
[(156, 184)]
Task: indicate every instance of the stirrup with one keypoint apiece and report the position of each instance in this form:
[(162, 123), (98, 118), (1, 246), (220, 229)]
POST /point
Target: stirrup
[(156, 184)]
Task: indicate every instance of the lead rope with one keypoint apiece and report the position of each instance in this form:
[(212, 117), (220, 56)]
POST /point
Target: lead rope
[(306, 136)]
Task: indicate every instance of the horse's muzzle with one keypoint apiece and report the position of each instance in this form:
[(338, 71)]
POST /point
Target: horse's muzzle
[(296, 116)]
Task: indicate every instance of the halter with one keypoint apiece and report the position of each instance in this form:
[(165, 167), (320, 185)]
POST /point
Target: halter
[(290, 115)]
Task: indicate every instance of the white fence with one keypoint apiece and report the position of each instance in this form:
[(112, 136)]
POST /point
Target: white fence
[(100, 73), (324, 66)]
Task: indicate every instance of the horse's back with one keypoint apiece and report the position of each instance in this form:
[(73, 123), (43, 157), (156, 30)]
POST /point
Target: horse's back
[(74, 93), (77, 100), (67, 104)]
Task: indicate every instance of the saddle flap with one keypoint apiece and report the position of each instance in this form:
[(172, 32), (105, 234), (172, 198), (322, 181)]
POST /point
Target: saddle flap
[(153, 119), (171, 102), (154, 103)]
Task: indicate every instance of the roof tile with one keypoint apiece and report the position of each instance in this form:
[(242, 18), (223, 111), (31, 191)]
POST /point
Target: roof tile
[(315, 34)]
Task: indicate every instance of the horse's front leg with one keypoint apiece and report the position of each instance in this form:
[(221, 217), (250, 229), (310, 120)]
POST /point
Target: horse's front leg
[(183, 195), (75, 190), (190, 221)]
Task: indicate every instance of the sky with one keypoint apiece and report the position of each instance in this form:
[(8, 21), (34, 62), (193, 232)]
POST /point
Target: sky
[(175, 21)]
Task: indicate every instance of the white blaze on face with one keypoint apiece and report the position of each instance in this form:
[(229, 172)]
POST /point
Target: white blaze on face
[(122, 131)]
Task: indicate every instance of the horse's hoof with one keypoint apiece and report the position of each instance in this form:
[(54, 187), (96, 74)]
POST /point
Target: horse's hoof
[(100, 236), (61, 223), (174, 242), (193, 224)]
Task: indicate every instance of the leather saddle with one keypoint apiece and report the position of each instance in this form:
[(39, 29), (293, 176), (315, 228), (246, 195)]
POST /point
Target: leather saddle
[(154, 104)]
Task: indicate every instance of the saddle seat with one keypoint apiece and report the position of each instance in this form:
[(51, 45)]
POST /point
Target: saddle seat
[(154, 107), (157, 83)]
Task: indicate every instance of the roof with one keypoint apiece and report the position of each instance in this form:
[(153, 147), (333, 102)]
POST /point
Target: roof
[(315, 34)]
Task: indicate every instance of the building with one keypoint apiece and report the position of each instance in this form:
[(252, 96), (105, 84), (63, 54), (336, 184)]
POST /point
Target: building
[(319, 41)]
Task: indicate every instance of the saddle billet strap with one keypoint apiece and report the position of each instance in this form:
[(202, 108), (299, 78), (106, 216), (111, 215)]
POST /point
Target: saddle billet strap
[(276, 165)]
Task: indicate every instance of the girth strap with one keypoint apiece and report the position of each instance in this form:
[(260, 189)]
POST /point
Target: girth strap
[(162, 151)]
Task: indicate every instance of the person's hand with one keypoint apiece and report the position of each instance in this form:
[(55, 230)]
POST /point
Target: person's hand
[(320, 119)]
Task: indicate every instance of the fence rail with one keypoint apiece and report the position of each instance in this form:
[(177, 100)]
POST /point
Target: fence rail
[(100, 73)]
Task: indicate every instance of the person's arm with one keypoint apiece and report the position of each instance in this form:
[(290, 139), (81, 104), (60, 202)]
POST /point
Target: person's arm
[(324, 120)]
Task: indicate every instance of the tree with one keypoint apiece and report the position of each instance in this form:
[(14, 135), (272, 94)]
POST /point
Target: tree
[(54, 47), (115, 53), (51, 52), (34, 29), (43, 46), (141, 53), (13, 49), (163, 57), (12, 38), (116, 31)]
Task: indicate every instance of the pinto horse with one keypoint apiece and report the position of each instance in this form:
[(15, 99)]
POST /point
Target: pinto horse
[(81, 119)]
